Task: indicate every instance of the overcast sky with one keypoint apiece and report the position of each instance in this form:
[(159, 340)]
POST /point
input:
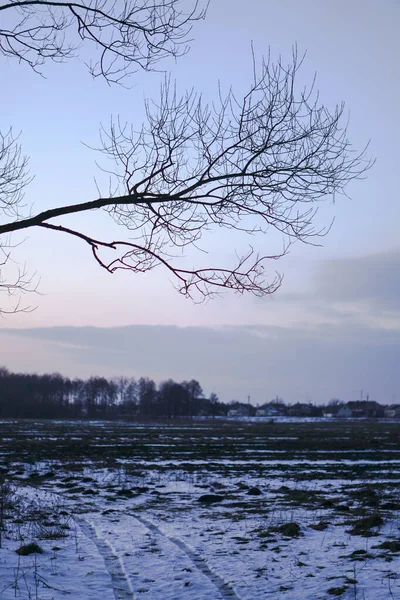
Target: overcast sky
[(333, 328)]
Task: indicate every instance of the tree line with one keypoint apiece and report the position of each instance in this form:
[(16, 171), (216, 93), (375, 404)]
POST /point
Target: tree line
[(52, 396)]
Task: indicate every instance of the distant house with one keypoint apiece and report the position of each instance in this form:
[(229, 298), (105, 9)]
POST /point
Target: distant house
[(362, 409), (333, 408), (344, 412), (270, 410), (261, 412), (393, 411), (240, 411), (330, 412), (300, 410), (234, 412)]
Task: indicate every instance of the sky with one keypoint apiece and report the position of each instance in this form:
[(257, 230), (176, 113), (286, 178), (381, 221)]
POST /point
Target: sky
[(332, 330)]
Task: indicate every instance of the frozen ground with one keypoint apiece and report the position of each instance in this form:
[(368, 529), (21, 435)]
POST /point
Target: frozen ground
[(296, 511)]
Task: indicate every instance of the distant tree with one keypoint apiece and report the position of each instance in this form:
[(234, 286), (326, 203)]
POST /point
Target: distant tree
[(215, 405), (50, 395), (147, 397), (335, 402), (251, 164), (174, 399), (4, 373), (77, 396), (277, 401), (127, 395), (213, 398), (99, 396), (334, 405), (194, 392)]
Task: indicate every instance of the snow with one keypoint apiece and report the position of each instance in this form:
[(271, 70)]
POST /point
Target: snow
[(138, 530), (168, 551)]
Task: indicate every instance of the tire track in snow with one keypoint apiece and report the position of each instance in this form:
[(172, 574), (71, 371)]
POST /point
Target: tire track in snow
[(224, 588), (120, 581)]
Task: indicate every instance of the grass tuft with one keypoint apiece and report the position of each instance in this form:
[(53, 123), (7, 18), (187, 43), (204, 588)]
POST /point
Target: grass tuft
[(27, 549), (337, 591), (290, 529), (364, 525)]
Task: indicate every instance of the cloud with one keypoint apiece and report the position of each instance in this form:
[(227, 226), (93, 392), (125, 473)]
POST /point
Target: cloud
[(348, 291), (372, 281), (332, 341), (297, 363)]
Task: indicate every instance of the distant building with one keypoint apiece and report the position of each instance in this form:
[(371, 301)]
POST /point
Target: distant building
[(333, 407), (362, 409), (270, 410), (344, 412), (300, 410), (393, 411), (261, 412), (234, 412), (240, 411)]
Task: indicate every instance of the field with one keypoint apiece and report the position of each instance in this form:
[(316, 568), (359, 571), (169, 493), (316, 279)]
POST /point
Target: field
[(199, 510)]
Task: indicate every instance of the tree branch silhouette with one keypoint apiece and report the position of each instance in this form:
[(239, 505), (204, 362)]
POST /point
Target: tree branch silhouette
[(127, 35), (253, 164)]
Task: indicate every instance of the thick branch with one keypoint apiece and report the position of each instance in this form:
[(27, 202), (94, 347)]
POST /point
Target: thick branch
[(61, 211)]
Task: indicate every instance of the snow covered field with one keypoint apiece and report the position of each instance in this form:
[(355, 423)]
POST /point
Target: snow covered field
[(199, 510)]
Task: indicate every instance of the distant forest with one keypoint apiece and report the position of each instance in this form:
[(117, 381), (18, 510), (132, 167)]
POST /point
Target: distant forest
[(54, 396)]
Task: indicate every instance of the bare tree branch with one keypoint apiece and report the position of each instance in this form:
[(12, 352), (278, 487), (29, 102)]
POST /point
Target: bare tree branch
[(126, 34), (246, 276), (14, 287), (254, 164), (14, 175)]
